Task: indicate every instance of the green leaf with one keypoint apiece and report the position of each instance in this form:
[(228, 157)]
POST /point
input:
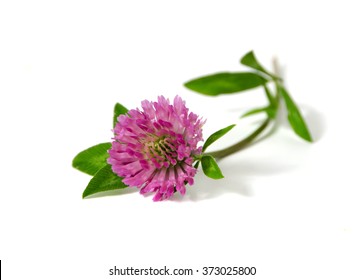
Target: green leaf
[(294, 116), (92, 159), (222, 83), (250, 60), (216, 135), (271, 112), (118, 110), (210, 167), (104, 180)]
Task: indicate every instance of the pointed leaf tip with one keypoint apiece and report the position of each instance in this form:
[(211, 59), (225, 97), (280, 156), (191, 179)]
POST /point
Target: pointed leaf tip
[(104, 180), (269, 110), (216, 135), (294, 116), (210, 167), (251, 61), (118, 110)]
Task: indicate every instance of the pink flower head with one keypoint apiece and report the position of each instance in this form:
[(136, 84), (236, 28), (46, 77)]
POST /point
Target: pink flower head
[(154, 148)]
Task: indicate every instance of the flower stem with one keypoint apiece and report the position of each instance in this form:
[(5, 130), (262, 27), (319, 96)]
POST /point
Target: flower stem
[(242, 144), (248, 141)]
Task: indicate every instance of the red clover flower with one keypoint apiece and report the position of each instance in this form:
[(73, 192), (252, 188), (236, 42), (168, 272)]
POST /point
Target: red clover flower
[(154, 148)]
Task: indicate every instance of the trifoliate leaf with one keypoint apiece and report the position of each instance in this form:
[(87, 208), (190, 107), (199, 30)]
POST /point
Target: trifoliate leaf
[(92, 159), (210, 167), (225, 83), (104, 180), (216, 135), (294, 116)]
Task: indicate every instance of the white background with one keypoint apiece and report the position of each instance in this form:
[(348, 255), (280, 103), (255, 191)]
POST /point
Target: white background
[(291, 209)]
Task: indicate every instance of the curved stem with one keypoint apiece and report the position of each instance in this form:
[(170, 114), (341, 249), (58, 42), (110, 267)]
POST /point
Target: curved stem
[(247, 141), (242, 144)]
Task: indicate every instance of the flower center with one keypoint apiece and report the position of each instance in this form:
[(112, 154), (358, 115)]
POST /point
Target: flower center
[(161, 150)]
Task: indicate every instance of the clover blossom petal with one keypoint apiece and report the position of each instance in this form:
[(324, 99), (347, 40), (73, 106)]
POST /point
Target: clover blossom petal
[(154, 148)]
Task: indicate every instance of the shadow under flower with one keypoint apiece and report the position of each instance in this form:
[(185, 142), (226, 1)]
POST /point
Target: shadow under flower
[(124, 191), (237, 179), (239, 173)]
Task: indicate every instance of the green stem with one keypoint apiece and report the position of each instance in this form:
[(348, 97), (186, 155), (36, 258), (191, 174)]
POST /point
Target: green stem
[(247, 141), (242, 144)]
